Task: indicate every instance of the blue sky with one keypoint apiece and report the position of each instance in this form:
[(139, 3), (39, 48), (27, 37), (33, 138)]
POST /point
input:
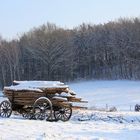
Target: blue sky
[(18, 16)]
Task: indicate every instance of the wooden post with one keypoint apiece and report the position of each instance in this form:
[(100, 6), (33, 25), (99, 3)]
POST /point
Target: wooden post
[(12, 102)]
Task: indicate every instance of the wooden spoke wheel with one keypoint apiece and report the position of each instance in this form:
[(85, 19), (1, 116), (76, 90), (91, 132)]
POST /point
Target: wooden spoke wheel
[(42, 108), (27, 113), (63, 113), (5, 109)]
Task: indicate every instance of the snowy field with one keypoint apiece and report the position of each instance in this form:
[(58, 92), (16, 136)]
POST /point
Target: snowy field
[(122, 94), (86, 124)]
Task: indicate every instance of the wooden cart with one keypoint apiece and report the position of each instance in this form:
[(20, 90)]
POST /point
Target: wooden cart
[(49, 100)]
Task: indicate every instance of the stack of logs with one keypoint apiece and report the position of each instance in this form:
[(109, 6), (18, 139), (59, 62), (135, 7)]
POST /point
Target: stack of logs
[(59, 95)]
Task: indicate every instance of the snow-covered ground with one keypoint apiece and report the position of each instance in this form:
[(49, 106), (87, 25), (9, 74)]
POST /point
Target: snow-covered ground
[(17, 128), (86, 124), (122, 94)]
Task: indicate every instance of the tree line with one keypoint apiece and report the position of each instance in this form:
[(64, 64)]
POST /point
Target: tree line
[(49, 52)]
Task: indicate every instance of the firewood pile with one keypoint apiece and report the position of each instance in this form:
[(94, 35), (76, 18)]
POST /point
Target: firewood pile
[(26, 92)]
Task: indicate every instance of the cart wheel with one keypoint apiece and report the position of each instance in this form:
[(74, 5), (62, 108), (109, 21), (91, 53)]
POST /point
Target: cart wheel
[(5, 109), (27, 113), (42, 108), (63, 113)]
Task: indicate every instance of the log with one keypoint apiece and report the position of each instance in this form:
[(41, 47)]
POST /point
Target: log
[(79, 107), (74, 99)]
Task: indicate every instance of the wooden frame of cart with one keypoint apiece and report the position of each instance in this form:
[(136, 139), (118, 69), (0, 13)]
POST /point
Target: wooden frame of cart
[(41, 100)]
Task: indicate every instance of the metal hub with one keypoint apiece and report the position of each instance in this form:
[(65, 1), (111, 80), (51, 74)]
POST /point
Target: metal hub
[(62, 111), (5, 110)]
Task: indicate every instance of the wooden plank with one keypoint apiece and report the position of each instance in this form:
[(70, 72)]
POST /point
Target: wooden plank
[(74, 99), (64, 104), (83, 101), (79, 107)]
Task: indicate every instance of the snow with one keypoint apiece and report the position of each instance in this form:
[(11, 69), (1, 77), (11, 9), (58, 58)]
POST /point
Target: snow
[(121, 94), (2, 97), (35, 85), (17, 128), (59, 98), (0, 93), (66, 94), (86, 124)]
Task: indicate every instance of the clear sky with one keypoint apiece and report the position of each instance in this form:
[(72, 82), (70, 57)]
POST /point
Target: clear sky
[(18, 16)]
